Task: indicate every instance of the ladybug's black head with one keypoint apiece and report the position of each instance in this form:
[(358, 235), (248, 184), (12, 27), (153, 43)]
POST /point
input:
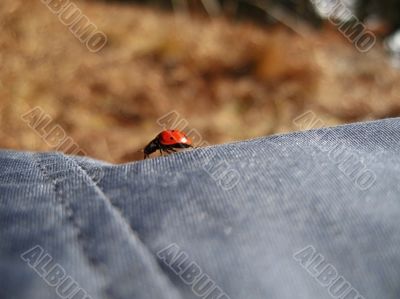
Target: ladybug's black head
[(151, 148)]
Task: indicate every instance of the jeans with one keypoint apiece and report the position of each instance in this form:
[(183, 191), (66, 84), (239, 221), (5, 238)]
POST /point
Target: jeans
[(312, 214)]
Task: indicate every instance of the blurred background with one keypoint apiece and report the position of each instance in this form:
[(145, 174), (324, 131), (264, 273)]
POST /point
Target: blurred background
[(232, 69)]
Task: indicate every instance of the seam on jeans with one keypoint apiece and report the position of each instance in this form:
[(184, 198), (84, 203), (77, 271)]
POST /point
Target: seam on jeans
[(117, 209), (132, 232), (68, 210)]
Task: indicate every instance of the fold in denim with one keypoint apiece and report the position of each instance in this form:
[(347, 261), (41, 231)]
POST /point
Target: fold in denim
[(335, 190)]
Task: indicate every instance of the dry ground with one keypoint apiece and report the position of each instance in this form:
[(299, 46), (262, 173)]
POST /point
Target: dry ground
[(230, 81)]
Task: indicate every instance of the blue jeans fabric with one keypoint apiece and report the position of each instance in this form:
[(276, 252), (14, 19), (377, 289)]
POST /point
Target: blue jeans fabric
[(115, 229)]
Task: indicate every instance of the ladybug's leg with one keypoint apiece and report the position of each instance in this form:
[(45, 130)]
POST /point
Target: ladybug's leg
[(164, 148), (168, 149)]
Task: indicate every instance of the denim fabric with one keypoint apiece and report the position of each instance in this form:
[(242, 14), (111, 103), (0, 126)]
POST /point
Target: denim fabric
[(294, 191)]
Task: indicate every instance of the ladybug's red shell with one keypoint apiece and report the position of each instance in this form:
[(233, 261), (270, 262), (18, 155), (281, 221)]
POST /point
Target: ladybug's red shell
[(170, 137), (167, 141)]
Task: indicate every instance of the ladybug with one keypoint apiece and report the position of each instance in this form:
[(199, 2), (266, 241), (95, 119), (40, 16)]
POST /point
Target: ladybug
[(167, 141)]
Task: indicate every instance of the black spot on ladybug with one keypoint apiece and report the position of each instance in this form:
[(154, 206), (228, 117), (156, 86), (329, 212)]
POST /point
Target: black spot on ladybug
[(171, 138)]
